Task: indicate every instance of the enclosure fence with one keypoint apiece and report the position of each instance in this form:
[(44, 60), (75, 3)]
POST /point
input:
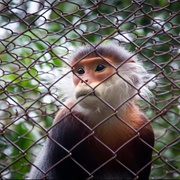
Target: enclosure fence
[(36, 40)]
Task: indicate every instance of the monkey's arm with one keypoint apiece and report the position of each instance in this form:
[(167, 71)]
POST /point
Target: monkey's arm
[(62, 159), (145, 155), (143, 148), (55, 157)]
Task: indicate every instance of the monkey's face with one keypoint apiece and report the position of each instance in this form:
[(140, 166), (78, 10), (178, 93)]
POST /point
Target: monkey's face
[(92, 77)]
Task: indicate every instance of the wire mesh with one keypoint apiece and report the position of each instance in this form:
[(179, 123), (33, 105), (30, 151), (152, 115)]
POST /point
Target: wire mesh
[(37, 38)]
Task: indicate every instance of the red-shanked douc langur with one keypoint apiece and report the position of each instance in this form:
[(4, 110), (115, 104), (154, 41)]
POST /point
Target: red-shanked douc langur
[(101, 133)]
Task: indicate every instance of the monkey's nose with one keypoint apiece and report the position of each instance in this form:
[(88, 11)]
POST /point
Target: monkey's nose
[(86, 80)]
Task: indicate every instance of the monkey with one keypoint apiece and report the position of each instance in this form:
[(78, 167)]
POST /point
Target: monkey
[(100, 133)]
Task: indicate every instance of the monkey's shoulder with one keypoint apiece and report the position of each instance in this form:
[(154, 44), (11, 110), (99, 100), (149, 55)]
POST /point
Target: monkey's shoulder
[(68, 128), (146, 131)]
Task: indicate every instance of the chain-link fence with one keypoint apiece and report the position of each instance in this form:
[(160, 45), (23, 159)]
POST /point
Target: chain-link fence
[(37, 37)]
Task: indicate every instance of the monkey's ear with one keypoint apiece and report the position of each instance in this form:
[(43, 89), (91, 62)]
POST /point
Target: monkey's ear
[(131, 61)]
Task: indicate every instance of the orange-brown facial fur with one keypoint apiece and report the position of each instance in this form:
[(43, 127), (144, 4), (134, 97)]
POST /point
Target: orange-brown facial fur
[(92, 71)]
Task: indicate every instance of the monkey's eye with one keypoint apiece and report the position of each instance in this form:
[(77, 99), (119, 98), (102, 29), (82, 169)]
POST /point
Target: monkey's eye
[(100, 67), (80, 70)]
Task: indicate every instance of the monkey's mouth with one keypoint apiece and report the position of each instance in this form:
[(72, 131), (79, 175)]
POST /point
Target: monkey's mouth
[(85, 93)]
